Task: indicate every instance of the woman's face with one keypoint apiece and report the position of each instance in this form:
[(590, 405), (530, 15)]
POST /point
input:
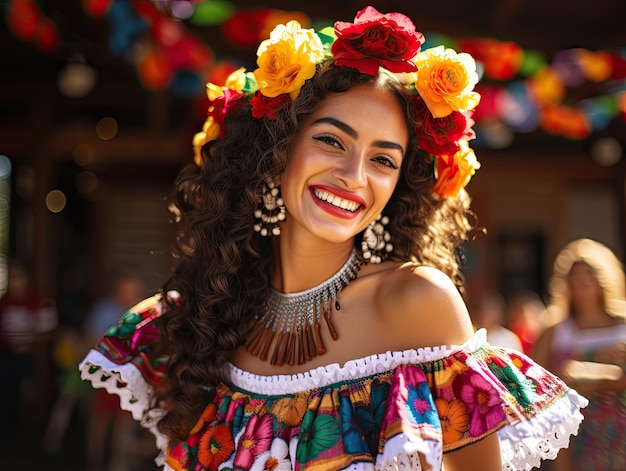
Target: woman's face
[(345, 163), (583, 284)]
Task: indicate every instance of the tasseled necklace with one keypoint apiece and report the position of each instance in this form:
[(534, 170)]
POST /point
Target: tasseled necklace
[(294, 319)]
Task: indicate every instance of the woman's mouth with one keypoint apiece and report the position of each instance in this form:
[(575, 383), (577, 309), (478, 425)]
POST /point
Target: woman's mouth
[(335, 204)]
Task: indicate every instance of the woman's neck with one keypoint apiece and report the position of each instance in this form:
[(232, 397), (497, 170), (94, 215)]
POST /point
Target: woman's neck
[(302, 263), (591, 316)]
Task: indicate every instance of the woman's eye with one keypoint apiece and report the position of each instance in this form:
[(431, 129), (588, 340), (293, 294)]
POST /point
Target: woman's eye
[(330, 140), (386, 162)]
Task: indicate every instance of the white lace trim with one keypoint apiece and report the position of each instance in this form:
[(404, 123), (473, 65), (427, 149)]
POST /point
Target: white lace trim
[(524, 445), (128, 383), (353, 369)]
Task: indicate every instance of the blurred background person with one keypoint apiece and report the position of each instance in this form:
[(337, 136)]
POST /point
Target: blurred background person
[(586, 347), (27, 320), (526, 318), (113, 440), (488, 312), (68, 346)]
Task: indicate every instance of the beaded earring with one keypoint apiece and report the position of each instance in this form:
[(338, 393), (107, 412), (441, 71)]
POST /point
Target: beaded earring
[(375, 245), (271, 212)]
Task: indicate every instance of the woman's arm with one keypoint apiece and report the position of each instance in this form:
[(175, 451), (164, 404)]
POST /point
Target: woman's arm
[(479, 456), (429, 306)]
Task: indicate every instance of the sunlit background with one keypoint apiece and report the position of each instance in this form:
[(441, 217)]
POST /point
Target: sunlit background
[(99, 100)]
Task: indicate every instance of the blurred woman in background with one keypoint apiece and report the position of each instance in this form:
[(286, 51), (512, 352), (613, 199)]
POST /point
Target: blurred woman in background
[(586, 346)]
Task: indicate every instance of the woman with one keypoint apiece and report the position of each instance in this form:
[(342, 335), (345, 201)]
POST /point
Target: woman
[(587, 347), (318, 254)]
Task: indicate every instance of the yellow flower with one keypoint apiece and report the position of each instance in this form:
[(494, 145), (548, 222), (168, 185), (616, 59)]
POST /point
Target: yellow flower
[(210, 131), (287, 59), (235, 81), (446, 80)]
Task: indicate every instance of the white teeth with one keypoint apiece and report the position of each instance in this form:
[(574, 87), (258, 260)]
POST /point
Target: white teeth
[(336, 200)]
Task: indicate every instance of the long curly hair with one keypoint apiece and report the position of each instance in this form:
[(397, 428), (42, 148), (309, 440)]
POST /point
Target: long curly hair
[(222, 266)]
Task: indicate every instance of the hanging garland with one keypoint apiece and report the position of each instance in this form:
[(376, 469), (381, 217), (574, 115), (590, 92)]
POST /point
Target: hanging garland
[(520, 89)]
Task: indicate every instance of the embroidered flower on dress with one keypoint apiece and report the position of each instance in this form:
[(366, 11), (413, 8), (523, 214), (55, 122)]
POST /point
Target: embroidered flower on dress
[(317, 434), (216, 445), (375, 40), (255, 440), (278, 459), (289, 410), (454, 418), (484, 403), (420, 405), (352, 433), (521, 389), (126, 325)]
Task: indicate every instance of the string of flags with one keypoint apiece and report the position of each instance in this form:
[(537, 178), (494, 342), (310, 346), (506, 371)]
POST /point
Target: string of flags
[(521, 89)]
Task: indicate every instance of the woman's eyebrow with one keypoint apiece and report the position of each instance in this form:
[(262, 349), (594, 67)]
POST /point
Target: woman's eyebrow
[(352, 133), (389, 145), (338, 124)]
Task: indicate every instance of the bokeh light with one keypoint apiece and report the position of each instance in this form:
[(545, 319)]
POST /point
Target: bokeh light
[(56, 201), (106, 129)]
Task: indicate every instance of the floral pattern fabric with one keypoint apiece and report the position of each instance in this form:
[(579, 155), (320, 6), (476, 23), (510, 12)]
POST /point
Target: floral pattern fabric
[(379, 412)]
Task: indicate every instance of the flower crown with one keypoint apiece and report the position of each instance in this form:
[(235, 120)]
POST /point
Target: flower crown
[(443, 79)]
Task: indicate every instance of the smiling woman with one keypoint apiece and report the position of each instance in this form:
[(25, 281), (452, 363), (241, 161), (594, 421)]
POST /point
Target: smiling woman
[(314, 317)]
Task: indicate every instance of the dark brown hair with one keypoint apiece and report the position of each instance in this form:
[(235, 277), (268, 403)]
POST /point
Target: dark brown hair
[(222, 266)]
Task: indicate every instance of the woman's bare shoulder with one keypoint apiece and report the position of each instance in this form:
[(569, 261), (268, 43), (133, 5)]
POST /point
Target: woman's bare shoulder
[(422, 301)]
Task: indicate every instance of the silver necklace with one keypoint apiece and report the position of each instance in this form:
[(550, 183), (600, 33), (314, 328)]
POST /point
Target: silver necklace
[(294, 319)]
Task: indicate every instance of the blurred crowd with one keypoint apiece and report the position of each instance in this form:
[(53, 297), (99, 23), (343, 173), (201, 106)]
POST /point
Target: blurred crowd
[(68, 425), (577, 330)]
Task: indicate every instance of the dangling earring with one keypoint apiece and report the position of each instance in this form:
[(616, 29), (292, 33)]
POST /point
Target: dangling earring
[(375, 245), (271, 213)]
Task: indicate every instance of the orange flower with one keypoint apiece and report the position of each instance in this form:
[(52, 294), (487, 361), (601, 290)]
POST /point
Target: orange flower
[(289, 410), (455, 171), (445, 80), (287, 59), (216, 445), (454, 418)]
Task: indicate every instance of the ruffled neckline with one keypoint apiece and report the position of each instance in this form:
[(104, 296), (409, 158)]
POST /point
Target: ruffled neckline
[(351, 370)]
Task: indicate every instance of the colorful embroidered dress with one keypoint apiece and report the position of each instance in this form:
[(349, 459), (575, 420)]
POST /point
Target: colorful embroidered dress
[(374, 413)]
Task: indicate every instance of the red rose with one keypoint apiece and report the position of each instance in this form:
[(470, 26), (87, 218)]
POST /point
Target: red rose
[(439, 136), (221, 106), (376, 40), (269, 106)]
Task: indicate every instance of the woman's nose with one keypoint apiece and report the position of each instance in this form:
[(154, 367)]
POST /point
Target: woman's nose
[(351, 171)]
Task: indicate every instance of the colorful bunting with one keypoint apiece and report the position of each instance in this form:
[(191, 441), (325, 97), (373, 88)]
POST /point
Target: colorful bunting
[(520, 88)]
